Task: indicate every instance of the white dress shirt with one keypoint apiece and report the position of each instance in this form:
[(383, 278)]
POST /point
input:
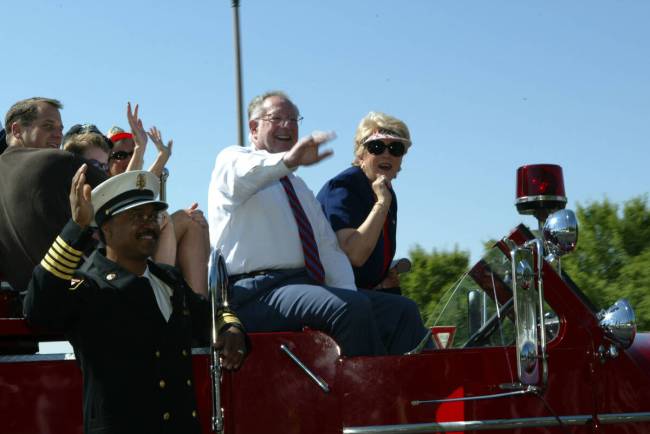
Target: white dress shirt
[(162, 292), (252, 223)]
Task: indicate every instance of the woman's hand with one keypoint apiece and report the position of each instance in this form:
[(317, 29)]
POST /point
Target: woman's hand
[(138, 131), (156, 138), (390, 281), (381, 187), (196, 215)]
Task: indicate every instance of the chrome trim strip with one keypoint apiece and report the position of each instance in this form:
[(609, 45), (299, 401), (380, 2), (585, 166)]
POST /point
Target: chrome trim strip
[(58, 357), (540, 197), (476, 425), (319, 381), (494, 424), (609, 418), (475, 398), (27, 358)]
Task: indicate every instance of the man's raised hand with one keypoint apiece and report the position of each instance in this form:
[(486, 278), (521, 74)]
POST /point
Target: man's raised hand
[(80, 203), (307, 150)]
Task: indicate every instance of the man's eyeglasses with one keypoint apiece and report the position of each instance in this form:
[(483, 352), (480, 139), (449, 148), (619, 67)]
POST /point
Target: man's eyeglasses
[(120, 155), (141, 218), (98, 164), (277, 120), (377, 147)]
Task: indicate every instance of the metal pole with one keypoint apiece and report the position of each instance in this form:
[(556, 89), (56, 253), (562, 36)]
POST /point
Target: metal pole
[(238, 82)]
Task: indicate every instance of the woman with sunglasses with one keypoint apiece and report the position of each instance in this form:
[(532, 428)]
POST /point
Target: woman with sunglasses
[(361, 205)]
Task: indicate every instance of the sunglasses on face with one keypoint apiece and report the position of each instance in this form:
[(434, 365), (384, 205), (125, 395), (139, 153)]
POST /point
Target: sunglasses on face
[(120, 155), (377, 147), (98, 164), (82, 129)]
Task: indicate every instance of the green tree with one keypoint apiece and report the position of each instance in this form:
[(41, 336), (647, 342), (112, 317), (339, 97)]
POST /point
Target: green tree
[(432, 273), (613, 255)]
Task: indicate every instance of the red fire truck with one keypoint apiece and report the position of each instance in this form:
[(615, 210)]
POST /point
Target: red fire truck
[(520, 349)]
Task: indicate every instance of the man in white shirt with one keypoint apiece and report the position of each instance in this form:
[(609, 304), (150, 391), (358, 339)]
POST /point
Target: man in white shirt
[(266, 236)]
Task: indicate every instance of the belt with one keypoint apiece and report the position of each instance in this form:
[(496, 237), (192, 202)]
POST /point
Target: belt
[(236, 277)]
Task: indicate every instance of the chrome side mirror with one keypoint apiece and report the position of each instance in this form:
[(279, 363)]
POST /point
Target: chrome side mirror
[(619, 323), (561, 233)]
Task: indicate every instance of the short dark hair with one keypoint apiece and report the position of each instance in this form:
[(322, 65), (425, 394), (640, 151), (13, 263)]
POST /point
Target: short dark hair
[(25, 111)]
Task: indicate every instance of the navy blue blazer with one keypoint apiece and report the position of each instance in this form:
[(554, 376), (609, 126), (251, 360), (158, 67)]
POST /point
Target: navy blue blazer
[(347, 199)]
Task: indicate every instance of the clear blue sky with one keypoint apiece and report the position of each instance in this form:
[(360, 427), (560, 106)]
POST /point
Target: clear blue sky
[(485, 86)]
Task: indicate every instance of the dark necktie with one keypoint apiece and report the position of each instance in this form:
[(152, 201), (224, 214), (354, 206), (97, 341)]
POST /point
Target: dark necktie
[(309, 248)]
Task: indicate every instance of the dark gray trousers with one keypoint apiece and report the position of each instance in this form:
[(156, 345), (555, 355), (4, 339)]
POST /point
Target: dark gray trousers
[(361, 322)]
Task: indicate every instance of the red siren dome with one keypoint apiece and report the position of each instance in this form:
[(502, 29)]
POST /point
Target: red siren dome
[(540, 189)]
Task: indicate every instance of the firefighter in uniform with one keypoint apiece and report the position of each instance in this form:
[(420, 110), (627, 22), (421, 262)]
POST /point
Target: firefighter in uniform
[(131, 321)]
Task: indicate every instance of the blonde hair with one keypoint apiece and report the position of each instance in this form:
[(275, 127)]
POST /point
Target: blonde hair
[(378, 122), (80, 143)]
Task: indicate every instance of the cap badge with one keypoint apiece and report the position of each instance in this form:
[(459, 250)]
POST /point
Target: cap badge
[(140, 181), (111, 276)]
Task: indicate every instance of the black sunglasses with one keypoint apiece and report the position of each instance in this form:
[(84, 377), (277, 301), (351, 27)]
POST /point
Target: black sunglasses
[(98, 164), (83, 128), (377, 147), (120, 155)]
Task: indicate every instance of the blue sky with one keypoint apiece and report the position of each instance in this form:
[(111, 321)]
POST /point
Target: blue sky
[(485, 86)]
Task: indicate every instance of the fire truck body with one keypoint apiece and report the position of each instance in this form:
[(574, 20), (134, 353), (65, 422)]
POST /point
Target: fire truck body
[(504, 363)]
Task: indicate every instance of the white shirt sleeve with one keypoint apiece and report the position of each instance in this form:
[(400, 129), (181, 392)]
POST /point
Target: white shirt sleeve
[(240, 172)]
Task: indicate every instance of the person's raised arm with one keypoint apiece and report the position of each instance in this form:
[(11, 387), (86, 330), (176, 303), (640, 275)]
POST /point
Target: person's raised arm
[(359, 243), (50, 302), (307, 150), (139, 138), (164, 152)]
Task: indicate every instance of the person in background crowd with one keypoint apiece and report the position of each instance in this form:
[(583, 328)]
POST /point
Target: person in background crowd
[(130, 321), (34, 184), (94, 147), (3, 140), (286, 267), (188, 227), (34, 123), (360, 203)]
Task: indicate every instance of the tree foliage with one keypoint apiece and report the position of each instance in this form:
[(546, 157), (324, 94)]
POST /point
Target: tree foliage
[(612, 260), (432, 273)]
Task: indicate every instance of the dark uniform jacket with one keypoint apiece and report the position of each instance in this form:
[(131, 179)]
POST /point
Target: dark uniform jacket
[(34, 206), (137, 367)]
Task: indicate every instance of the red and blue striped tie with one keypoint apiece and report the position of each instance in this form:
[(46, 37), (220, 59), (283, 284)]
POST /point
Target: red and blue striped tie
[(309, 248)]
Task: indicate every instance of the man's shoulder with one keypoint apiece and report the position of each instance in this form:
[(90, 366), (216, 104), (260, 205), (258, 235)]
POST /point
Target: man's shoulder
[(235, 150)]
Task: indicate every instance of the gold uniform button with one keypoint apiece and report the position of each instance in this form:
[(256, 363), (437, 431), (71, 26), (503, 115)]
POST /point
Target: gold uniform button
[(162, 384), (194, 413), (184, 353), (166, 416), (188, 382), (157, 354)]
